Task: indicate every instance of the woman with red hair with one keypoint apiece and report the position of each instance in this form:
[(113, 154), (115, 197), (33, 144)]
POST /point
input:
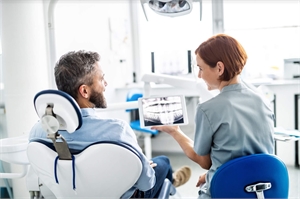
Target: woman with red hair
[(235, 123)]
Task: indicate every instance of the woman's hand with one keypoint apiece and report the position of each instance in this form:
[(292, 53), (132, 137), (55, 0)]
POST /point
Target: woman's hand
[(201, 180)]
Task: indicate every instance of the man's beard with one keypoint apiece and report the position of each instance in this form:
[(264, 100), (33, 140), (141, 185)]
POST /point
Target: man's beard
[(98, 99)]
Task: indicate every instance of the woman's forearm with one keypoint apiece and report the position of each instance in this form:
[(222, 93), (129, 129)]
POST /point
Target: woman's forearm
[(187, 145)]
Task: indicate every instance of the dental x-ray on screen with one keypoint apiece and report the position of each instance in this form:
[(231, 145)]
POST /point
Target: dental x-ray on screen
[(162, 110)]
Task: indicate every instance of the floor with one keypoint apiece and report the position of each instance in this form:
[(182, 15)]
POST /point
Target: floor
[(189, 190)]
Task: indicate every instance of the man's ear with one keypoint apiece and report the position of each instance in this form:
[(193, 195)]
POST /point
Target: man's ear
[(84, 91), (220, 67)]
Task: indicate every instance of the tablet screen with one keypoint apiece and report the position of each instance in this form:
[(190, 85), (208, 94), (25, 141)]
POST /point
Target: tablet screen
[(162, 110)]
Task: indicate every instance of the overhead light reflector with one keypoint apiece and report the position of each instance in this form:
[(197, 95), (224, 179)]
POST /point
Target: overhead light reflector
[(171, 8)]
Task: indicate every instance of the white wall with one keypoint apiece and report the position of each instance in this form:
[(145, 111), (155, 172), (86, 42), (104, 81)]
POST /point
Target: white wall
[(25, 68), (165, 35)]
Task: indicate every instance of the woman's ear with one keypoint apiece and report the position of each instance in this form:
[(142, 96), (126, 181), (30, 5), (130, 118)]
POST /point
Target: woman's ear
[(84, 91), (220, 67)]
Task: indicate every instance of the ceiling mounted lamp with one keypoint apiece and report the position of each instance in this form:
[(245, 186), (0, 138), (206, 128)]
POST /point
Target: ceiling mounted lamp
[(171, 8)]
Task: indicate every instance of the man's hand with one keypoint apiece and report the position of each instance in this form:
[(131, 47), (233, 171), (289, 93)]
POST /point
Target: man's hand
[(152, 164)]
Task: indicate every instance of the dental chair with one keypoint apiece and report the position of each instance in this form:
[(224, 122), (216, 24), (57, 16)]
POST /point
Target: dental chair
[(253, 176), (102, 170)]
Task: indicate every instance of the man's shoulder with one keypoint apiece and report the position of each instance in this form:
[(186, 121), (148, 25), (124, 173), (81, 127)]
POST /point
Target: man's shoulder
[(112, 123), (37, 131)]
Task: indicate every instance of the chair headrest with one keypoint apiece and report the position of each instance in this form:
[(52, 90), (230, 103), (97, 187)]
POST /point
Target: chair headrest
[(68, 114)]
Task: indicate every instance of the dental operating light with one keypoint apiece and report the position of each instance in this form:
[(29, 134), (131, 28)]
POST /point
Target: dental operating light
[(171, 8)]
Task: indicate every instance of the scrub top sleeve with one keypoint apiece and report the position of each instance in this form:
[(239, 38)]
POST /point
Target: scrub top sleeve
[(203, 133)]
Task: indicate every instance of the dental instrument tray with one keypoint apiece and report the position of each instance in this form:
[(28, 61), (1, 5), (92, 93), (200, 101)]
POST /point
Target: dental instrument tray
[(162, 110)]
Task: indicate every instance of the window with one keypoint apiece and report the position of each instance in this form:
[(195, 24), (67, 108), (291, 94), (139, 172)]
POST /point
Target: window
[(269, 32), (169, 36)]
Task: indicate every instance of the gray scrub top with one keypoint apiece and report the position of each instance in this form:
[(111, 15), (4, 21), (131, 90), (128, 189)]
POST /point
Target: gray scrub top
[(235, 123)]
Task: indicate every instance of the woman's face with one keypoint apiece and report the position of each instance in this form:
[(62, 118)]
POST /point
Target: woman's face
[(208, 74)]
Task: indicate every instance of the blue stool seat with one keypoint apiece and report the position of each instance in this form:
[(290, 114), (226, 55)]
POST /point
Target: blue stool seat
[(235, 178)]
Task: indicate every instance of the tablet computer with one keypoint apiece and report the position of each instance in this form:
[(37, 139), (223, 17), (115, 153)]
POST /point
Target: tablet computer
[(162, 110)]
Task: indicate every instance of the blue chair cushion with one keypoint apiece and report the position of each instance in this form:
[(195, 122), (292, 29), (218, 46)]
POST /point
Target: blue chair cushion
[(231, 178), (135, 125), (133, 96)]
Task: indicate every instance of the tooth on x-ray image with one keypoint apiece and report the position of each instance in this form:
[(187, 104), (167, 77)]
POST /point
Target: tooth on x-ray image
[(162, 110)]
